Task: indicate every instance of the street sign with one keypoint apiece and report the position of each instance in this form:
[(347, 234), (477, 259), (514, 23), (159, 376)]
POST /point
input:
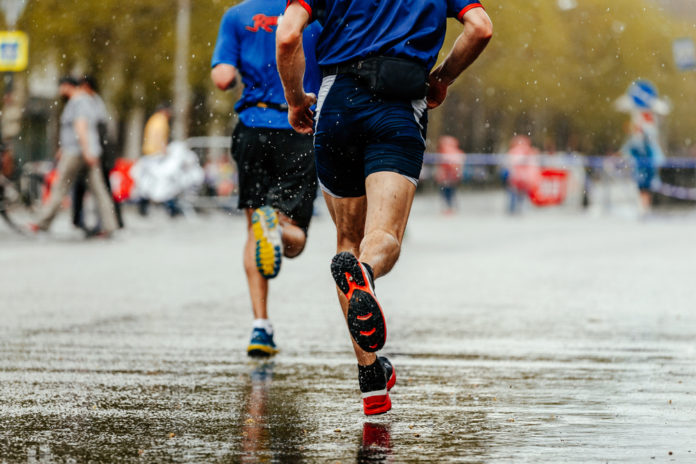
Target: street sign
[(684, 54), (14, 51), (13, 10)]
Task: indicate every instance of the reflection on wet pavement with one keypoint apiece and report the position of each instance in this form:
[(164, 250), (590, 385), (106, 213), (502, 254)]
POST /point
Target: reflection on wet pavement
[(518, 356), (376, 444)]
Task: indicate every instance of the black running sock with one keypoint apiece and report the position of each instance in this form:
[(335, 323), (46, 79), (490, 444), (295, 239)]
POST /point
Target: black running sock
[(372, 377)]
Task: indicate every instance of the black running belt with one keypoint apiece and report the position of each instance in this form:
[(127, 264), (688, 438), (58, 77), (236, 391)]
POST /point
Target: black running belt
[(274, 106), (346, 68)]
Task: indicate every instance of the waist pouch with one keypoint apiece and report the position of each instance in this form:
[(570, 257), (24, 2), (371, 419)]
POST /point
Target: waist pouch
[(388, 77), (274, 106)]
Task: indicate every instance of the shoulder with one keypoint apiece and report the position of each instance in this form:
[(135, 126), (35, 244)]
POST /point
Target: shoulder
[(82, 102), (232, 14), (242, 8)]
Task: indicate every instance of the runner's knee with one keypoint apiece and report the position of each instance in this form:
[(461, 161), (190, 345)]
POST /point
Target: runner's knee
[(381, 239)]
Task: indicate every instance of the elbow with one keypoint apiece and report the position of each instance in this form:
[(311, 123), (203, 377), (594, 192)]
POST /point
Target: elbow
[(480, 26), (483, 29), (224, 77), (287, 39)]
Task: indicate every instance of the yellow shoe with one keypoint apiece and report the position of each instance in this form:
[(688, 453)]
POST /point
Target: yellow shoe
[(264, 224)]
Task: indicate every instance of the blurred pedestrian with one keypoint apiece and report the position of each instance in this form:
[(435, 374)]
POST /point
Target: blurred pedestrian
[(107, 158), (155, 143), (449, 169), (79, 149), (523, 172), (277, 175), (370, 137), (156, 133), (643, 144)]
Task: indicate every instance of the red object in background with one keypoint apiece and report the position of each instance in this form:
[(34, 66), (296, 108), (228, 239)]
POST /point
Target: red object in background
[(551, 188), (47, 184), (121, 180)]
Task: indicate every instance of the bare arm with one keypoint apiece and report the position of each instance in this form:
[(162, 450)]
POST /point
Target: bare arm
[(82, 132), (478, 31), (291, 67), (224, 76)]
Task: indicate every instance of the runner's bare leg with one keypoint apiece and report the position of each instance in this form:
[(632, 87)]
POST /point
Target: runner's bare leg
[(372, 228), (294, 240), (389, 199), (348, 215), (258, 285)]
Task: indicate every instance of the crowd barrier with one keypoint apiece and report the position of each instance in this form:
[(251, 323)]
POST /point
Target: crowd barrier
[(604, 168)]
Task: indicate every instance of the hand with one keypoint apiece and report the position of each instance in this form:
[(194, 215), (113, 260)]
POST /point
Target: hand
[(91, 161), (301, 117), (437, 91)]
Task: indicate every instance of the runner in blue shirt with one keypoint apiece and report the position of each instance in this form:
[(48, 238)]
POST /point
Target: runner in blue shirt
[(369, 127), (277, 175)]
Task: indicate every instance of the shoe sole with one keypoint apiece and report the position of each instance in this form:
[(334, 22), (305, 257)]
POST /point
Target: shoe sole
[(365, 317), (264, 225), (261, 351), (377, 405)]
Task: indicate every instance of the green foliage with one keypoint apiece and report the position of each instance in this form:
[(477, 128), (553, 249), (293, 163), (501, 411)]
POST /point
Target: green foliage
[(124, 43), (555, 74)]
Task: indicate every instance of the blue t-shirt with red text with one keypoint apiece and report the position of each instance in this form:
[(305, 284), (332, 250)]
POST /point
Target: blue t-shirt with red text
[(355, 29), (246, 40)]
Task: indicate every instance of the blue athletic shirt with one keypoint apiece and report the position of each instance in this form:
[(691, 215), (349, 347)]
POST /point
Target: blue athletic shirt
[(247, 41), (413, 29)]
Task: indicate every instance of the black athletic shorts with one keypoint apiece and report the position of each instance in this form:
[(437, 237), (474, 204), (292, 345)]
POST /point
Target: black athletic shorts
[(276, 168)]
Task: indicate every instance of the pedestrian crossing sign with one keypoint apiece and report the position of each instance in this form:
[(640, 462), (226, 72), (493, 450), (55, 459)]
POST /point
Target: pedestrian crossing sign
[(14, 51)]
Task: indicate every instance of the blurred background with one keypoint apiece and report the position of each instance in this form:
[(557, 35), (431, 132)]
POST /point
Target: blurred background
[(552, 71), (552, 74)]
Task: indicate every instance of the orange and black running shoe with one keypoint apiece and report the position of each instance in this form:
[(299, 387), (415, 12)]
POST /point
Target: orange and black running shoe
[(375, 383), (365, 318)]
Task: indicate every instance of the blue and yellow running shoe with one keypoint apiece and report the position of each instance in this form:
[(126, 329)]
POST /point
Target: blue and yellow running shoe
[(269, 253), (261, 344)]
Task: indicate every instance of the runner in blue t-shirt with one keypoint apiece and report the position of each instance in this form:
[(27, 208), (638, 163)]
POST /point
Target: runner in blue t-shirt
[(277, 174), (369, 128)]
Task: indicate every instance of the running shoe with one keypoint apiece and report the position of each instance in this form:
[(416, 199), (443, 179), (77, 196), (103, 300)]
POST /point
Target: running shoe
[(264, 224), (261, 344), (365, 318), (375, 383)]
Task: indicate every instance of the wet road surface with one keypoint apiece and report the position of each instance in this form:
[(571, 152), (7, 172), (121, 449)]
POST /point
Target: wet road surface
[(556, 337)]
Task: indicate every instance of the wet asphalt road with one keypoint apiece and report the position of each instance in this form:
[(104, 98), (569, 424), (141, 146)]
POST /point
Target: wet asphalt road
[(556, 337)]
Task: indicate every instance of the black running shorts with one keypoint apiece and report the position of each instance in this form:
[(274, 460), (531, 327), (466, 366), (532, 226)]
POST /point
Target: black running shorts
[(276, 168)]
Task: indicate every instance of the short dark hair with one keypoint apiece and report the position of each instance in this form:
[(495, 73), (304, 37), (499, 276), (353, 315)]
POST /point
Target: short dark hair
[(90, 82), (164, 106), (70, 80)]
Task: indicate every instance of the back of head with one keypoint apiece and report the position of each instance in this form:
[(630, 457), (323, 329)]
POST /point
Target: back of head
[(90, 82), (165, 108), (67, 86), (68, 80)]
